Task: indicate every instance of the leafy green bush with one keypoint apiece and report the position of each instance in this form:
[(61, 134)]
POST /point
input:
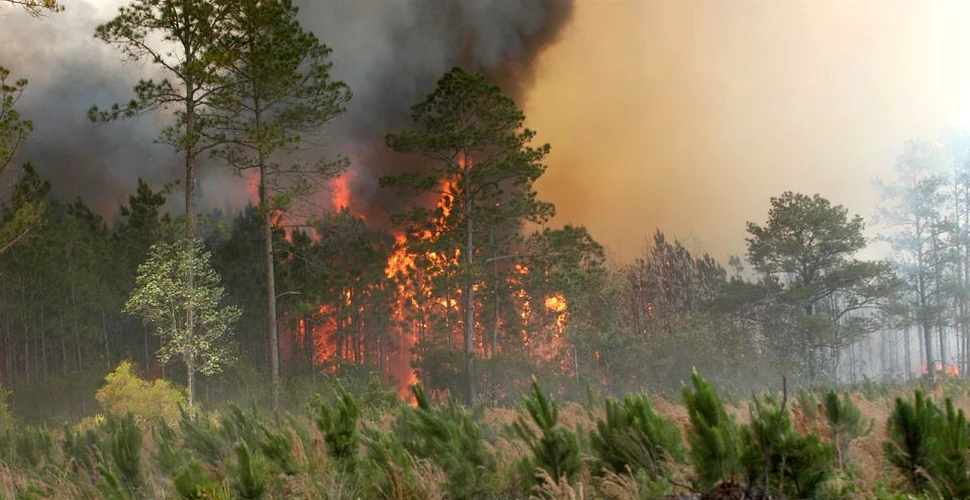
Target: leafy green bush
[(633, 436), (125, 392), (555, 449), (714, 445)]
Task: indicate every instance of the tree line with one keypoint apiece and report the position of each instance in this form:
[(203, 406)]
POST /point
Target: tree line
[(461, 294)]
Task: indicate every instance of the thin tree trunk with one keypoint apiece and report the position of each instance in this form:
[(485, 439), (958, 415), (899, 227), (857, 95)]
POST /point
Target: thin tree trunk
[(469, 290), (190, 379), (104, 329), (65, 357)]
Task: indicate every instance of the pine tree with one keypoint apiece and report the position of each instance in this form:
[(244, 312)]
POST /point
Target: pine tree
[(634, 436), (714, 440), (914, 431), (449, 436), (276, 88), (846, 422), (479, 157), (555, 449), (339, 427), (250, 482)]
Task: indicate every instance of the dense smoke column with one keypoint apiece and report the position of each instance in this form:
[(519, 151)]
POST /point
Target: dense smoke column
[(393, 53)]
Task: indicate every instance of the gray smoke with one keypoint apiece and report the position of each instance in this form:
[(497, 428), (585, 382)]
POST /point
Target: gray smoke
[(390, 53)]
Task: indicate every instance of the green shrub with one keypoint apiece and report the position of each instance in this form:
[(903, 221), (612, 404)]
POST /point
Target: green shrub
[(200, 436), (125, 392), (241, 425), (555, 449), (193, 483), (846, 424), (168, 454), (448, 436), (779, 459), (714, 446), (277, 447), (125, 446), (339, 426), (929, 447), (390, 467), (633, 436), (27, 446), (250, 473)]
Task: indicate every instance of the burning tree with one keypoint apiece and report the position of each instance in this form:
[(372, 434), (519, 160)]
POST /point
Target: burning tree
[(474, 152)]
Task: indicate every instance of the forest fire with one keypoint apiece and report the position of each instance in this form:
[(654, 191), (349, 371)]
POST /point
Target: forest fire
[(424, 280), (941, 369)]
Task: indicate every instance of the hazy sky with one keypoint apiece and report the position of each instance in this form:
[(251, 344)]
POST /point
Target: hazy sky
[(689, 115)]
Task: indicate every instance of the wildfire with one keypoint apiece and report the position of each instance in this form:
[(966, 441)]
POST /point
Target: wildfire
[(945, 369), (340, 191), (428, 301)]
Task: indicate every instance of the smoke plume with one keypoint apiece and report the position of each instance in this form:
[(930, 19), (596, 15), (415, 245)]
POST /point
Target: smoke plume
[(390, 53), (689, 115)]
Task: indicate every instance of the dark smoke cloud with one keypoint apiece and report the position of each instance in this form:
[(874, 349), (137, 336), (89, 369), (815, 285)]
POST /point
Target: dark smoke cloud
[(390, 53)]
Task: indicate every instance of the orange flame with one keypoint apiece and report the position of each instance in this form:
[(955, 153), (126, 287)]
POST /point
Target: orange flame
[(340, 190)]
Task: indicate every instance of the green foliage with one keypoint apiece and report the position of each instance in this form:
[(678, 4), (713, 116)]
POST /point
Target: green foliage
[(633, 437), (555, 449), (805, 254), (125, 447), (391, 466), (13, 129), (450, 437), (846, 423), (27, 209), (241, 425), (268, 97), (277, 447), (27, 446), (339, 426), (929, 447), (168, 453), (714, 441), (124, 392), (38, 7), (778, 458), (193, 483), (162, 295), (201, 436), (250, 482)]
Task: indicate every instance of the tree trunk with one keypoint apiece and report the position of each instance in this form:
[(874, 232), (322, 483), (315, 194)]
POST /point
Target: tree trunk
[(469, 290), (190, 381), (190, 152), (271, 330)]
